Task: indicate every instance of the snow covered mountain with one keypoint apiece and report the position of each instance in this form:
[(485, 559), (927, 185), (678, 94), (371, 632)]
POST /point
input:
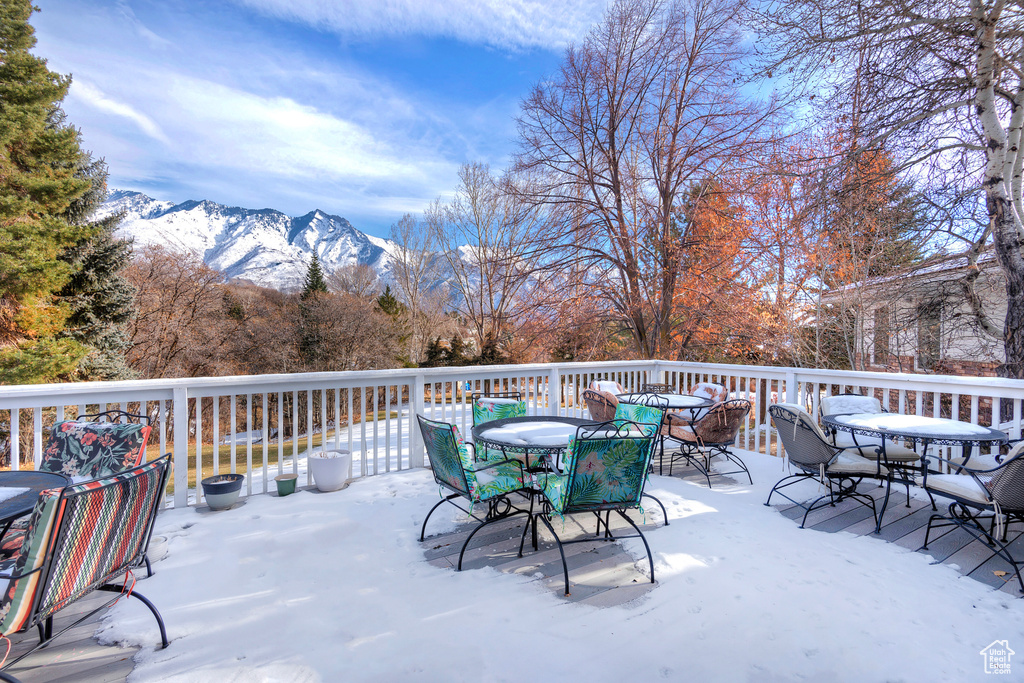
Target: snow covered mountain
[(263, 246)]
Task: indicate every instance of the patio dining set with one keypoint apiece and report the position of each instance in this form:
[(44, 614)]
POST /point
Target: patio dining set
[(546, 466)]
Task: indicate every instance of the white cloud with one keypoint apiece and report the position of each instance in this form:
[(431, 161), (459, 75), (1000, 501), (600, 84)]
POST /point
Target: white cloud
[(501, 23), (94, 97)]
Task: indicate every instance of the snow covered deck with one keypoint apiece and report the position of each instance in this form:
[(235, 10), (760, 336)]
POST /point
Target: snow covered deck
[(337, 587)]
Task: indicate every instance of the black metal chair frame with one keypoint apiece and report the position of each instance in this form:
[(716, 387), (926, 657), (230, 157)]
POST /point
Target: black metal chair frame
[(108, 413), (617, 431), (699, 453), (961, 513), (62, 538), (498, 508), (847, 484), (655, 388)]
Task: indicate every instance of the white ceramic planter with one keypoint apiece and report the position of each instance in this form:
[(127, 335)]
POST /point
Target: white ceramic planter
[(331, 469)]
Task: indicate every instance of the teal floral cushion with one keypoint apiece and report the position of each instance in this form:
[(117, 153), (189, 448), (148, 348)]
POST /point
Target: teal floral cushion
[(89, 450), (645, 415), (599, 472), (455, 467), (487, 408)]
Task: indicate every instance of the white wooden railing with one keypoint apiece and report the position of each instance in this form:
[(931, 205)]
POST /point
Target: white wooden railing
[(266, 422)]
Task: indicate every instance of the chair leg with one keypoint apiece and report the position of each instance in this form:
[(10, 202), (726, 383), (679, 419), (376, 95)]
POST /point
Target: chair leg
[(660, 504), (490, 520), (423, 529), (565, 566), (643, 538), (152, 608)]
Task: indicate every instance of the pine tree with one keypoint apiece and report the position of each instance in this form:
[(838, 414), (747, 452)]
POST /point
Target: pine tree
[(315, 283), (490, 354), (40, 181), (388, 304), (99, 297), (434, 355)]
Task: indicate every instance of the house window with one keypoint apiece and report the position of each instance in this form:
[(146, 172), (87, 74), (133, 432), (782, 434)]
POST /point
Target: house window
[(929, 323), (881, 336)]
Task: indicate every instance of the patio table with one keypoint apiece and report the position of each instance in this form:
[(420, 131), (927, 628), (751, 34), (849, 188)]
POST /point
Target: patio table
[(671, 402), (541, 436), (917, 429), (26, 485)]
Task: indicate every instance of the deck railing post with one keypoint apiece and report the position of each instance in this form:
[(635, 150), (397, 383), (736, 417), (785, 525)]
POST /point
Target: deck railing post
[(791, 391), (554, 391), (179, 410), (416, 451)]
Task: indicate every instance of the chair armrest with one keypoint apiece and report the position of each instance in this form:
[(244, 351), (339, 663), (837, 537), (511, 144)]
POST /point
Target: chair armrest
[(489, 464)]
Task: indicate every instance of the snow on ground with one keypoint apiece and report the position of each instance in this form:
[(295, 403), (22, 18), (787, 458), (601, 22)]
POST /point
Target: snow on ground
[(335, 587)]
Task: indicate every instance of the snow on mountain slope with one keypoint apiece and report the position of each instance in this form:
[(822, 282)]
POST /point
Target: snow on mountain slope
[(264, 246)]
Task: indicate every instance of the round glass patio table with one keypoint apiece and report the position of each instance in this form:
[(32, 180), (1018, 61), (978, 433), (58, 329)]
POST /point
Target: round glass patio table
[(928, 431), (19, 505), (667, 401), (530, 439), (918, 429)]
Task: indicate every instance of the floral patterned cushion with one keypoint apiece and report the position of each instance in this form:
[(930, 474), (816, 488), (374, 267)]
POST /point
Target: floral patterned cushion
[(599, 472), (454, 466), (94, 449), (642, 414), (486, 408)]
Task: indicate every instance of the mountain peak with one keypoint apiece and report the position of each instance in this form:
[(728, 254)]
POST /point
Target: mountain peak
[(265, 246)]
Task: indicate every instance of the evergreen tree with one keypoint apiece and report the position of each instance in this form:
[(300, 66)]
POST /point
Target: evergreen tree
[(390, 305), (435, 354), (490, 354), (100, 299), (457, 352), (40, 181), (315, 283)]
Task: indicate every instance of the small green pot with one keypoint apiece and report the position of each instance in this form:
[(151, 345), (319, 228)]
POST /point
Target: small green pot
[(286, 483)]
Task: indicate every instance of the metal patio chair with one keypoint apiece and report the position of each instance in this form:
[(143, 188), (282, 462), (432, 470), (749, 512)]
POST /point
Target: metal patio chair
[(710, 436), (604, 470), (456, 470), (488, 407), (600, 404), (993, 495), (808, 450), (658, 389), (498, 405), (79, 539)]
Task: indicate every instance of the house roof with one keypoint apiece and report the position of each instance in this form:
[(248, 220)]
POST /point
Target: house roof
[(939, 268)]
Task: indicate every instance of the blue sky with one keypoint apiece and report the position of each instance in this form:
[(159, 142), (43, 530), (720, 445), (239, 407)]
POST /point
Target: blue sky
[(364, 109)]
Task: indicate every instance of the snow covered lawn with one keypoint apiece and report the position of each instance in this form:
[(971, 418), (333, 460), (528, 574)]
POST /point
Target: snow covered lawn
[(335, 587)]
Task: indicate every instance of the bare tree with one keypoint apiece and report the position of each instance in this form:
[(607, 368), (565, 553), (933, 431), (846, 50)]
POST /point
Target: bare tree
[(182, 327), (418, 280), (943, 83), (645, 108), (493, 245), (357, 279)]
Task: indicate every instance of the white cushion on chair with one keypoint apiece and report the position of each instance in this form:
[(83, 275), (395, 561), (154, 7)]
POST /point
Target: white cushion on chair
[(979, 461), (847, 405), (847, 463), (496, 400), (867, 445), (610, 386), (959, 485)]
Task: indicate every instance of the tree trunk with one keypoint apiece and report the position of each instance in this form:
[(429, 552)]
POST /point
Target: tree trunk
[(1008, 250)]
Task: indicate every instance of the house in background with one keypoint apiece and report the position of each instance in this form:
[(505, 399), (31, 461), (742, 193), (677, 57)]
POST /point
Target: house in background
[(921, 320)]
